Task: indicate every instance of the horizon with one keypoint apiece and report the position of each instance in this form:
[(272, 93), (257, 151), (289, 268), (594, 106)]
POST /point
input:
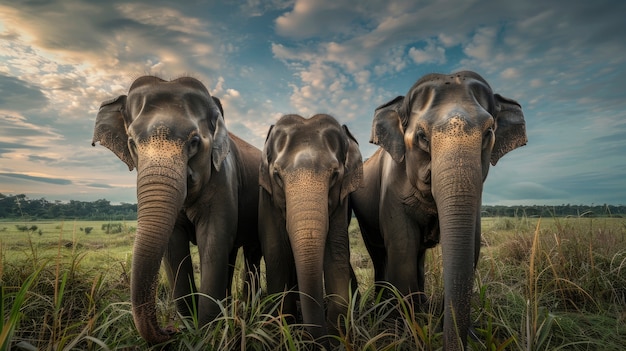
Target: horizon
[(488, 205), (566, 66)]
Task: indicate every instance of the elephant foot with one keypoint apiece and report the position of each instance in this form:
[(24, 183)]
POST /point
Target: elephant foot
[(170, 330)]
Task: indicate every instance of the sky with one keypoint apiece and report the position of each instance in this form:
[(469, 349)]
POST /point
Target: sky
[(563, 61)]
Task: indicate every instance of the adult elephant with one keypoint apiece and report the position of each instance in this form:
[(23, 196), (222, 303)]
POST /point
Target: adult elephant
[(196, 182), (308, 168), (424, 184)]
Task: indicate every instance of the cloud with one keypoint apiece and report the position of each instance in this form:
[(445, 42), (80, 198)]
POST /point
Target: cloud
[(111, 34), (430, 53), (481, 45), (254, 8), (335, 18), (19, 95), (268, 58), (99, 185), (7, 147), (18, 130), (41, 179)]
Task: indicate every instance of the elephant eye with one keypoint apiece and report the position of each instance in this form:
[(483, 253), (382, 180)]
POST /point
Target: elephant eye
[(278, 179), (422, 140), (194, 142)]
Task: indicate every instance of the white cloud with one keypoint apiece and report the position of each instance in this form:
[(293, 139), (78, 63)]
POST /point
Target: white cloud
[(311, 18), (163, 17), (450, 39), (481, 45), (340, 56), (431, 53), (18, 130), (510, 73)]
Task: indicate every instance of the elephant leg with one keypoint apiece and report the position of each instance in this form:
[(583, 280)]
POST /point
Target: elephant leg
[(179, 267), (281, 276), (377, 254), (215, 242), (401, 266), (280, 269), (379, 261), (338, 273)]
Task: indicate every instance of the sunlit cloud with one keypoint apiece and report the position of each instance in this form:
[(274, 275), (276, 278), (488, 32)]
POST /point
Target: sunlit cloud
[(60, 59)]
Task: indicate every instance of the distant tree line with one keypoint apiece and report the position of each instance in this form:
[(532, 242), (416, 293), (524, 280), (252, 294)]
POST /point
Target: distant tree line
[(565, 210), (21, 207)]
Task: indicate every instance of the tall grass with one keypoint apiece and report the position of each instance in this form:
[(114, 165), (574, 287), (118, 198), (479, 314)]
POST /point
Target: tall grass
[(572, 289), (550, 284)]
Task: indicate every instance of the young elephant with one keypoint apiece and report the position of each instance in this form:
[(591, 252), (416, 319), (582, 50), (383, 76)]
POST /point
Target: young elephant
[(196, 183), (425, 184), (308, 168)]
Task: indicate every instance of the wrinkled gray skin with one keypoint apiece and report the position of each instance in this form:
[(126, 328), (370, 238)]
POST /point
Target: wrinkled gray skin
[(308, 169), (424, 184), (196, 183)]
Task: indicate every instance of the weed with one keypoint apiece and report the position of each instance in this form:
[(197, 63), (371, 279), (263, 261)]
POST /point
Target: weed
[(542, 284)]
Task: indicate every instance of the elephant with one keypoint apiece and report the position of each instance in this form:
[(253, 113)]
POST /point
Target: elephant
[(308, 168), (424, 184), (196, 183)]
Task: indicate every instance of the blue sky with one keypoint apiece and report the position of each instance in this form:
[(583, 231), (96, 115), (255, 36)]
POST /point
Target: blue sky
[(565, 62)]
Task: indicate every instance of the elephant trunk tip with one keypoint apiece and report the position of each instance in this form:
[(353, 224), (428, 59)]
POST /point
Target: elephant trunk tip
[(160, 335)]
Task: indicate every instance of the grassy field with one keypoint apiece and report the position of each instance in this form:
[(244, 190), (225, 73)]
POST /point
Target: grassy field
[(541, 284)]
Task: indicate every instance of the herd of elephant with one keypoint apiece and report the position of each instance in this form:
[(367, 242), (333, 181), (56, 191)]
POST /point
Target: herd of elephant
[(291, 203)]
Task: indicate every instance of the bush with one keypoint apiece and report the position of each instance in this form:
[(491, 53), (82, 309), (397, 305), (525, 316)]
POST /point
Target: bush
[(88, 230), (112, 228)]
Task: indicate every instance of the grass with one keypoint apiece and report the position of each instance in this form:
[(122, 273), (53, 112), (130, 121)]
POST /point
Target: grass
[(541, 284)]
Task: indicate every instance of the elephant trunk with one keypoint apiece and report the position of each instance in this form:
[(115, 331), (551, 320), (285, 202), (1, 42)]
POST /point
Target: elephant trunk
[(160, 193), (457, 187), (306, 196)]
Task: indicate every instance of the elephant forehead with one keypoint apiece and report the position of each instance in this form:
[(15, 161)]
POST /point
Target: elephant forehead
[(303, 140), (316, 158), (462, 77), (168, 100), (452, 92), (450, 115)]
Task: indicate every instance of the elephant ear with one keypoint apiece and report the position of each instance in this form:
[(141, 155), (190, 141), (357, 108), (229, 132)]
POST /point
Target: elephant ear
[(264, 175), (510, 127), (110, 129), (219, 105), (353, 175), (387, 129), (221, 140)]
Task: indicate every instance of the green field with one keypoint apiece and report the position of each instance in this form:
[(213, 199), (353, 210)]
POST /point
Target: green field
[(541, 284)]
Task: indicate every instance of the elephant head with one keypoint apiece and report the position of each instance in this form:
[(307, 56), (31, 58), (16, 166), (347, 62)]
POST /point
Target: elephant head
[(308, 168), (172, 132), (443, 135)]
